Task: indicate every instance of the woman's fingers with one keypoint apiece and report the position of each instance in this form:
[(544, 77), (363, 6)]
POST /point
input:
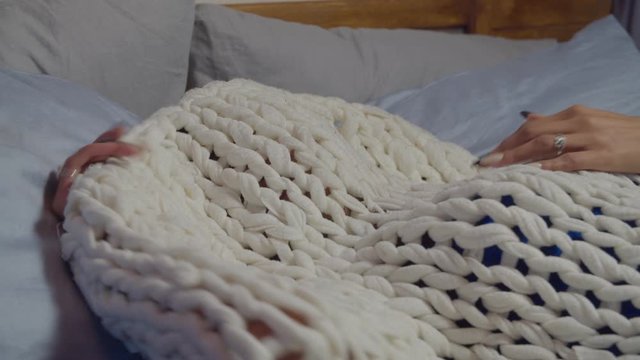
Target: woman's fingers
[(577, 112), (574, 119), (582, 127), (539, 148), (111, 134), (595, 140), (573, 161), (79, 161), (86, 153), (533, 150), (534, 127), (60, 199), (623, 160)]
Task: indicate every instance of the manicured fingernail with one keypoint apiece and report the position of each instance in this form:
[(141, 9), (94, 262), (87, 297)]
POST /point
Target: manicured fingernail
[(525, 114), (536, 164), (491, 159)]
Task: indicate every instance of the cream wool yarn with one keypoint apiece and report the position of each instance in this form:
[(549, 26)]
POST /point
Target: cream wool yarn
[(349, 233)]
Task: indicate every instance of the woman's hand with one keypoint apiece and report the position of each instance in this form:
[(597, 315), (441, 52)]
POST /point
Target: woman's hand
[(104, 147), (594, 140)]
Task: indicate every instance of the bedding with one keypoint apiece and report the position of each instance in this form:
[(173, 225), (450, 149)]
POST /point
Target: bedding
[(599, 67), (348, 233), (43, 120), (354, 64), (133, 52)]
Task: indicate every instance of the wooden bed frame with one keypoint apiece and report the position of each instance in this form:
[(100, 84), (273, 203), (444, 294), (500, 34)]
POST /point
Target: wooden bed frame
[(558, 19)]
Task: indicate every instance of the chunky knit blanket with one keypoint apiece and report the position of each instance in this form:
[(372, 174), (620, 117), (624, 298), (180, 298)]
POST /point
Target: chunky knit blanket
[(286, 226)]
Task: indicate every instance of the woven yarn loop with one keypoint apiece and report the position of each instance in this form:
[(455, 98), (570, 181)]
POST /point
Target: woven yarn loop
[(350, 234)]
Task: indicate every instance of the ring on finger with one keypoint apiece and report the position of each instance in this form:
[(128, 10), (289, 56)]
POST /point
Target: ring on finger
[(559, 143), (66, 172)]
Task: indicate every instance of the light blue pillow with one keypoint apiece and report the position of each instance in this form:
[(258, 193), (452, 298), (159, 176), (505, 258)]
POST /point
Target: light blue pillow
[(43, 120), (599, 67)]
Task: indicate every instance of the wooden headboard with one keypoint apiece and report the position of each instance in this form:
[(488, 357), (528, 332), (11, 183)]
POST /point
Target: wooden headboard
[(558, 19)]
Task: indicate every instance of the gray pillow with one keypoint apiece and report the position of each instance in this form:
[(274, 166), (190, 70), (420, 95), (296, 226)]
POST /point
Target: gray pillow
[(354, 64), (134, 52)]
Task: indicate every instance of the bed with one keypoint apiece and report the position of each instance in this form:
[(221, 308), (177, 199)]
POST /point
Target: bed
[(44, 314), (512, 19)]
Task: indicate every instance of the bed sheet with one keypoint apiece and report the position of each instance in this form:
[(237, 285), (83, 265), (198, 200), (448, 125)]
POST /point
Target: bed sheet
[(42, 121)]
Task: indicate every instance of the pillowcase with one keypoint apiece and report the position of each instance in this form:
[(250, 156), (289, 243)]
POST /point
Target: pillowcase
[(354, 64), (599, 67), (43, 120), (134, 52)]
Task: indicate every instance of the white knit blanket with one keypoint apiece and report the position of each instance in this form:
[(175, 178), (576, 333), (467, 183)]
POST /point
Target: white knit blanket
[(343, 232)]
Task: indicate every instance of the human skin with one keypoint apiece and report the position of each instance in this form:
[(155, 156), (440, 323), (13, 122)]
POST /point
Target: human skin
[(104, 147), (595, 140)]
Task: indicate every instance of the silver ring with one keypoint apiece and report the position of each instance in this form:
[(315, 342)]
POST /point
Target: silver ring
[(65, 172), (559, 143)]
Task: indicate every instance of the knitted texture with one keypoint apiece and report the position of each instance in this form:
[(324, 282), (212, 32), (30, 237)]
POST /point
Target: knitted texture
[(348, 233)]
